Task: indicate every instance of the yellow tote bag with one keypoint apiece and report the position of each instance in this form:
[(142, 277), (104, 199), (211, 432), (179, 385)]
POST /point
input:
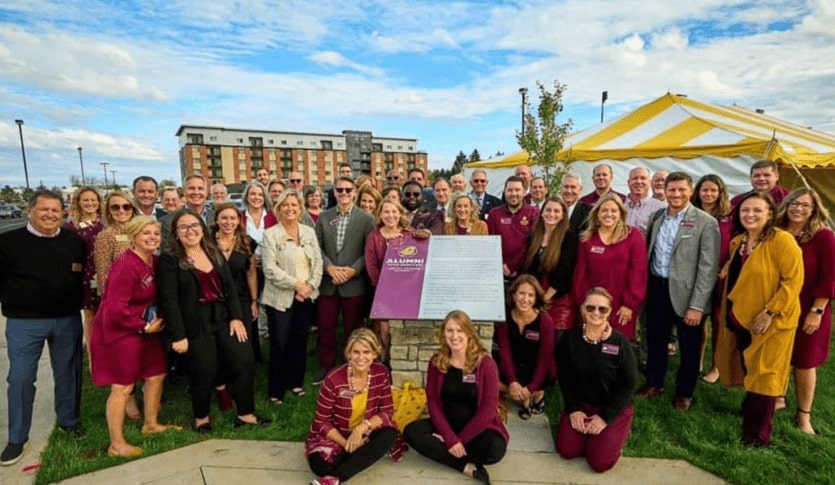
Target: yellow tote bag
[(409, 403)]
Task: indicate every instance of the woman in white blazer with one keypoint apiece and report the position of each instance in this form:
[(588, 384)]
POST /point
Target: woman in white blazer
[(292, 265)]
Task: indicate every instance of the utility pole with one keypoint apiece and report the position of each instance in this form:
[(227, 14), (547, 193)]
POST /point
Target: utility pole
[(105, 164), (23, 151), (603, 97), (524, 93), (81, 161), (113, 172)]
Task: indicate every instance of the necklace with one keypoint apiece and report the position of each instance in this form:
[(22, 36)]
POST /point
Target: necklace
[(226, 246), (603, 335), (357, 389)]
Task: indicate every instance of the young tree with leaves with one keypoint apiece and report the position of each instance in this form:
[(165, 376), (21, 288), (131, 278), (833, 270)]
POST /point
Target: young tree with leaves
[(543, 136)]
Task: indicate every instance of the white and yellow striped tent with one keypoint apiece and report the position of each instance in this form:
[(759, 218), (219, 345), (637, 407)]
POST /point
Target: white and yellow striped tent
[(675, 132)]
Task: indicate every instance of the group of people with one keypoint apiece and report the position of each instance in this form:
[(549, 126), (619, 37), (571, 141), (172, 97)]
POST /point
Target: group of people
[(196, 287)]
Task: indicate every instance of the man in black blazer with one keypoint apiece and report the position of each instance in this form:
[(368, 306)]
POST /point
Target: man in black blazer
[(578, 212), (341, 232), (484, 201)]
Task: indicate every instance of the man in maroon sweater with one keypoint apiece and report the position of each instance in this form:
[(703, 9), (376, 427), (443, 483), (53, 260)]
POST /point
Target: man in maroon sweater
[(764, 177), (513, 221), (41, 270)]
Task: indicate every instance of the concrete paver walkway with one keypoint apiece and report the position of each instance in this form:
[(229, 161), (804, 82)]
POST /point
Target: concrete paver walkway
[(530, 458)]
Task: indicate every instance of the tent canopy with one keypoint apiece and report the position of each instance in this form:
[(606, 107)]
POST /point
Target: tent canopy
[(679, 127)]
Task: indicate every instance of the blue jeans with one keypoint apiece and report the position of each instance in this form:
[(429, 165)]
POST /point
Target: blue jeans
[(25, 338)]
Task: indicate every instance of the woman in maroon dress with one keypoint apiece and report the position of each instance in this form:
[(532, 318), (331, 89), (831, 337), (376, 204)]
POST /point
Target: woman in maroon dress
[(86, 220), (711, 196), (127, 346), (552, 252), (804, 215), (613, 255)]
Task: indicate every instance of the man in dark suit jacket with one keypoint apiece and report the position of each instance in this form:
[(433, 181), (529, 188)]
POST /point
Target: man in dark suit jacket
[(196, 189), (341, 232), (484, 201), (345, 170), (578, 213), (683, 258)]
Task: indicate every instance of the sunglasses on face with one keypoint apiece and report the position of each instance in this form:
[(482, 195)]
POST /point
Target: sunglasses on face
[(393, 177), (124, 207), (479, 181), (602, 309), (411, 194), (343, 190), (295, 181)]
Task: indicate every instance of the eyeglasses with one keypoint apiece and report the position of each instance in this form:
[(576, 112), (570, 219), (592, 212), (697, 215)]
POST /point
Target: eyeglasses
[(295, 181), (124, 207), (411, 194), (343, 190), (393, 177), (804, 205), (195, 227), (602, 309), (479, 181)]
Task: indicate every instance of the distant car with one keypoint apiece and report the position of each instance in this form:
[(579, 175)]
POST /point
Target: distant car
[(8, 211)]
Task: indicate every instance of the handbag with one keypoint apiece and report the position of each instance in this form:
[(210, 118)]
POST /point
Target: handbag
[(409, 403)]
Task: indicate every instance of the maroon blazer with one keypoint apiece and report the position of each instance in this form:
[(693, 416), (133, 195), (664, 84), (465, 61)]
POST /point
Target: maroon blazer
[(269, 220), (487, 417)]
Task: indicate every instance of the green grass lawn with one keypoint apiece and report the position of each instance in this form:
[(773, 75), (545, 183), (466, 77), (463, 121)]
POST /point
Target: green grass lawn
[(707, 435)]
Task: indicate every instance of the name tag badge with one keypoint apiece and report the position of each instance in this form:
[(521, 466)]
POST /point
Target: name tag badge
[(348, 393), (506, 220), (468, 378), (532, 335), (334, 222), (122, 237), (598, 249), (77, 267), (610, 349), (689, 224), (147, 280)]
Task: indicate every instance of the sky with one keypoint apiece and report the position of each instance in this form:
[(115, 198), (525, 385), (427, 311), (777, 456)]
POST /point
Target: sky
[(119, 78)]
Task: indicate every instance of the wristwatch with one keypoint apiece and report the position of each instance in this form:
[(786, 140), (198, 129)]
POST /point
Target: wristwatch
[(817, 310)]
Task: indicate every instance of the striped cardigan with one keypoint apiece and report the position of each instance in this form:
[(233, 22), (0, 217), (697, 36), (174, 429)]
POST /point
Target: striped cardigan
[(333, 410)]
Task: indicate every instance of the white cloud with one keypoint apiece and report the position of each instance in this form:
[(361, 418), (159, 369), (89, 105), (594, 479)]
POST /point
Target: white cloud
[(335, 59)]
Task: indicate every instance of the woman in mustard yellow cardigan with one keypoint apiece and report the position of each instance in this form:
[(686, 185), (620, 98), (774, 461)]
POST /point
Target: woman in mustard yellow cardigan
[(760, 310)]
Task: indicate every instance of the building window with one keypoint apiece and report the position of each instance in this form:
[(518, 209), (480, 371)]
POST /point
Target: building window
[(212, 138), (194, 139), (376, 147), (283, 142), (388, 147), (271, 142), (327, 145), (240, 140), (300, 142)]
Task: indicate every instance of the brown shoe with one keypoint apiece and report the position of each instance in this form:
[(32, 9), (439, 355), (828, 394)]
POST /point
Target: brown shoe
[(682, 403), (649, 392)]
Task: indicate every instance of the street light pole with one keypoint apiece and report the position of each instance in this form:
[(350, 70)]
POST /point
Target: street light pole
[(23, 151), (113, 172), (81, 161), (105, 164), (603, 97), (524, 93)]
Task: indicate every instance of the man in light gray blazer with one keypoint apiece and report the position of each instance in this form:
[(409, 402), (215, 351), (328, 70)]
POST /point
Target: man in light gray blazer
[(683, 262), (341, 232)]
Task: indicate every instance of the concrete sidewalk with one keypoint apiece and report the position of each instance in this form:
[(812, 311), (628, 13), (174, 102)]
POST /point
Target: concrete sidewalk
[(530, 458)]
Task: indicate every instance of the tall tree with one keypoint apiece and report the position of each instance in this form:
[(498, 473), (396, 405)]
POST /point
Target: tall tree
[(543, 136), (475, 156), (460, 161)]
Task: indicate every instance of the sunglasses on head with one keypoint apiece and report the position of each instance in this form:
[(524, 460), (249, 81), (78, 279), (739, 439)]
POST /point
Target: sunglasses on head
[(124, 207), (601, 308), (343, 190)]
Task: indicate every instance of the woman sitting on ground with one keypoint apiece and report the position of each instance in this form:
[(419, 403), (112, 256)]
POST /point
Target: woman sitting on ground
[(464, 430), (598, 373), (526, 346), (352, 427)]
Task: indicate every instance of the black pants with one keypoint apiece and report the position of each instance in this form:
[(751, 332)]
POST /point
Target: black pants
[(210, 352), (485, 449), (288, 346), (345, 465)]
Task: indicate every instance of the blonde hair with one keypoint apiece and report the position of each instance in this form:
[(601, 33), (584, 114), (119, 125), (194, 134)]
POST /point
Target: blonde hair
[(475, 350), (621, 229), (463, 195), (366, 337), (117, 193), (135, 225)]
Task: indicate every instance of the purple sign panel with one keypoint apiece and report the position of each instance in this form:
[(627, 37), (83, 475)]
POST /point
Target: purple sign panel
[(401, 280)]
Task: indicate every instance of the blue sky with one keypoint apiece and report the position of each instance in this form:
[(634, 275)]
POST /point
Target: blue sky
[(119, 78)]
